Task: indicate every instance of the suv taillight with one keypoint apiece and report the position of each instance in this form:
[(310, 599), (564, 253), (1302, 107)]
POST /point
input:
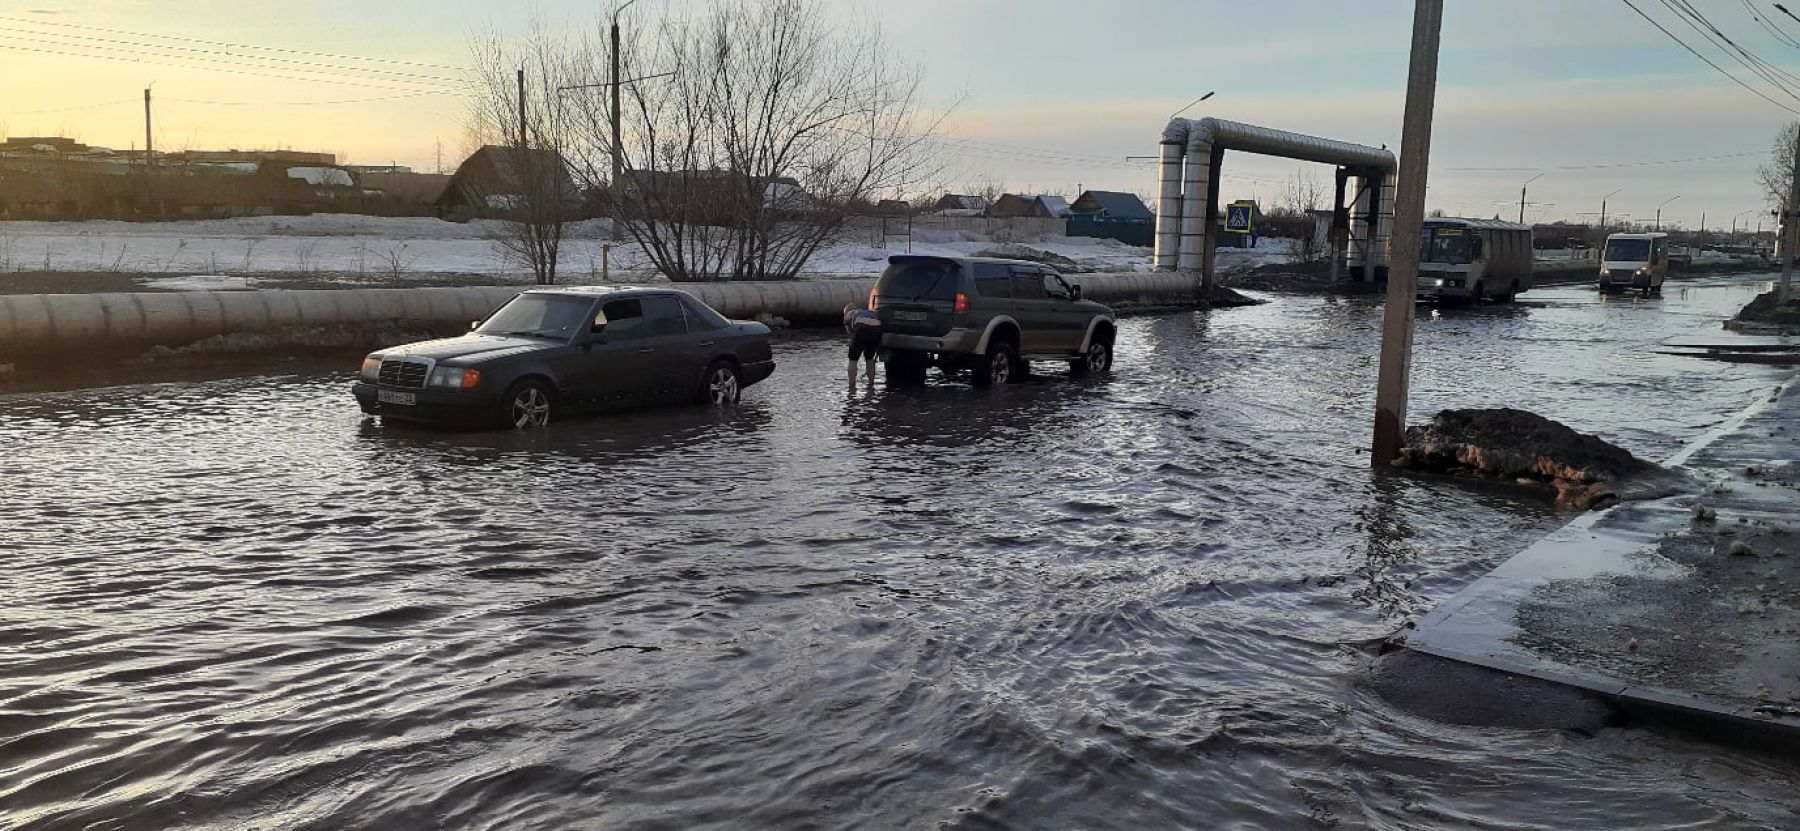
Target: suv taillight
[(962, 303), (874, 300)]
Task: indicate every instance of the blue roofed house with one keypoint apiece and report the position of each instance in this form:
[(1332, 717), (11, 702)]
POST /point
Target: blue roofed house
[(1110, 206), (1112, 214)]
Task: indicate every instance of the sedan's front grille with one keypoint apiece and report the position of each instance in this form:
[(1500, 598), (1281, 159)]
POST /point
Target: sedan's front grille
[(403, 373)]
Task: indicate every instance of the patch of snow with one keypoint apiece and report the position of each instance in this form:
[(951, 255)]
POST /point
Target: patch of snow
[(201, 282)]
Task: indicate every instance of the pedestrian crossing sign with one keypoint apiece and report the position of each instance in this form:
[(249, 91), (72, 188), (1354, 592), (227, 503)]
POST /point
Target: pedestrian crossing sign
[(1237, 217)]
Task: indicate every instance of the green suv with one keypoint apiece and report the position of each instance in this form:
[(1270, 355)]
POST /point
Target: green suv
[(989, 316)]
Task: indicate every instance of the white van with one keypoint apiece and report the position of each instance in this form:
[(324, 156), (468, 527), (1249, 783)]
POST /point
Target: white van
[(1467, 260), (1635, 261)]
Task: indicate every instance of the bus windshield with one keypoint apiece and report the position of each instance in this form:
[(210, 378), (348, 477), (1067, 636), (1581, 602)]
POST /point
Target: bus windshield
[(1628, 250), (1444, 245)]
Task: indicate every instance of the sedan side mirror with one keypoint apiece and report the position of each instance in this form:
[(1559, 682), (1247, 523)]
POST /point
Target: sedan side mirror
[(1075, 292)]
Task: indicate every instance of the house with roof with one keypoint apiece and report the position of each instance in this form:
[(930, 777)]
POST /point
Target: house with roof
[(1111, 214), (495, 180), (957, 204), (1110, 206), (1046, 206)]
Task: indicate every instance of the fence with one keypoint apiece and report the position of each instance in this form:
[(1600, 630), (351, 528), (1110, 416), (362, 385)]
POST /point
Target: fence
[(896, 229)]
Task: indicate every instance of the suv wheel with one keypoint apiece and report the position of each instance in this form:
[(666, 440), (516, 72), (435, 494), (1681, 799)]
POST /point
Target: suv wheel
[(1097, 358), (997, 366)]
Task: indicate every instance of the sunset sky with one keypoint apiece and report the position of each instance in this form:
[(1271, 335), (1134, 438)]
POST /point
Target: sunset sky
[(1049, 94)]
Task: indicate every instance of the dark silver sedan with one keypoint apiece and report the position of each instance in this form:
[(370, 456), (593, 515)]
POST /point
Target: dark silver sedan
[(552, 349)]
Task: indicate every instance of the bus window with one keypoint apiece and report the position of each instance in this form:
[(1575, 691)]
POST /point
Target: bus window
[(1444, 245)]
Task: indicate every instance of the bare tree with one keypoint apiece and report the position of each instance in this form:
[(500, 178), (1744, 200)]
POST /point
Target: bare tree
[(773, 127), (534, 139), (1776, 174), (1300, 196)]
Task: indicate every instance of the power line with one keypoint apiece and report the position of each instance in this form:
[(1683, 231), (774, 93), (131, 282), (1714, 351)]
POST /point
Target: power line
[(304, 103), (232, 45), (226, 69), (138, 54), (1769, 26), (113, 45), (77, 107), (1602, 166), (1745, 58), (1735, 79)]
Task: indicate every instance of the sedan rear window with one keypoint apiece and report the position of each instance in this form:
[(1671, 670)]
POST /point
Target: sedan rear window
[(918, 280)]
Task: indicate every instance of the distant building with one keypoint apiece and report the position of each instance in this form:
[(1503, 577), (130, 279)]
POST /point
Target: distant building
[(711, 197), (1044, 205), (1110, 206), (494, 181), (956, 204), (1111, 215)]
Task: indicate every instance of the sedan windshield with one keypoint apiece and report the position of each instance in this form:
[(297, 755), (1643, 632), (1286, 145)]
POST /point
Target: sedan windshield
[(1628, 250), (1444, 245), (540, 315)]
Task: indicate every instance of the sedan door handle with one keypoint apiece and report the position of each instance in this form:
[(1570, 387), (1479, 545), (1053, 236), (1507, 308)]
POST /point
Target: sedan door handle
[(706, 343), (646, 350)]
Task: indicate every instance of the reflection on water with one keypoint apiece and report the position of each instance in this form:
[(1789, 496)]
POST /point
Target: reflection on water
[(1138, 600)]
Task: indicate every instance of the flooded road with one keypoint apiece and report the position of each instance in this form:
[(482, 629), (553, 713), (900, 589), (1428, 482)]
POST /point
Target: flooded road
[(1142, 600)]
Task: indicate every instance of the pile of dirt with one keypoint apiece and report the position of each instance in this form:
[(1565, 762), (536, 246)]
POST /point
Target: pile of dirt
[(1764, 311), (1014, 251), (1516, 445)]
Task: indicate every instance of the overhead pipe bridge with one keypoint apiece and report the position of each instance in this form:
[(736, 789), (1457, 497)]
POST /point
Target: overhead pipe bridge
[(1187, 212)]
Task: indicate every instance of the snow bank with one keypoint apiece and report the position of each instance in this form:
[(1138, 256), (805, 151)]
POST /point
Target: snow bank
[(398, 247), (201, 282)]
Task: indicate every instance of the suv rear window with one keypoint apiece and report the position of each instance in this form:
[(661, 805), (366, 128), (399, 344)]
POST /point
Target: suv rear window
[(918, 280)]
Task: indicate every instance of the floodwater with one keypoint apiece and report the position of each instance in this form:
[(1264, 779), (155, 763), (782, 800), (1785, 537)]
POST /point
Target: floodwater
[(1136, 601)]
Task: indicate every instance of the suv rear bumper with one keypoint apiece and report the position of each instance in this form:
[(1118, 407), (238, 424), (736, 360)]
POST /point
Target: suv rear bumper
[(964, 341)]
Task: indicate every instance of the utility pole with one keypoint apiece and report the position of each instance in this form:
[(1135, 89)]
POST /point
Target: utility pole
[(440, 156), (1409, 218), (523, 141), (613, 81), (1521, 187), (1659, 210), (149, 149), (1785, 290), (149, 159)]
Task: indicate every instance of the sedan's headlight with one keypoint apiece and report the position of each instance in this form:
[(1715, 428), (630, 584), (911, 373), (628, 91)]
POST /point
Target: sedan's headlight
[(1437, 282), (454, 378), (371, 368)]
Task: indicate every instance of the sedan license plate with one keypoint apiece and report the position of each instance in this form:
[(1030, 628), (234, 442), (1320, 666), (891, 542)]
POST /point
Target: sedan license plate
[(915, 316), (404, 399)]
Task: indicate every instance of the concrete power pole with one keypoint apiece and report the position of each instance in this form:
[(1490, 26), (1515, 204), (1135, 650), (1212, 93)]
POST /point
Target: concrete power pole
[(149, 158), (618, 162), (1409, 218), (1785, 291), (523, 141)]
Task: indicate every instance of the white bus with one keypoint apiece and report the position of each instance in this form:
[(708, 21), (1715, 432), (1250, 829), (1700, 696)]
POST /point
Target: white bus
[(1468, 260), (1635, 261)]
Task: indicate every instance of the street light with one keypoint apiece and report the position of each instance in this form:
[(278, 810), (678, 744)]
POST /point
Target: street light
[(1522, 197), (618, 161), (1660, 207), (1603, 208), (1172, 116), (1734, 219)]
